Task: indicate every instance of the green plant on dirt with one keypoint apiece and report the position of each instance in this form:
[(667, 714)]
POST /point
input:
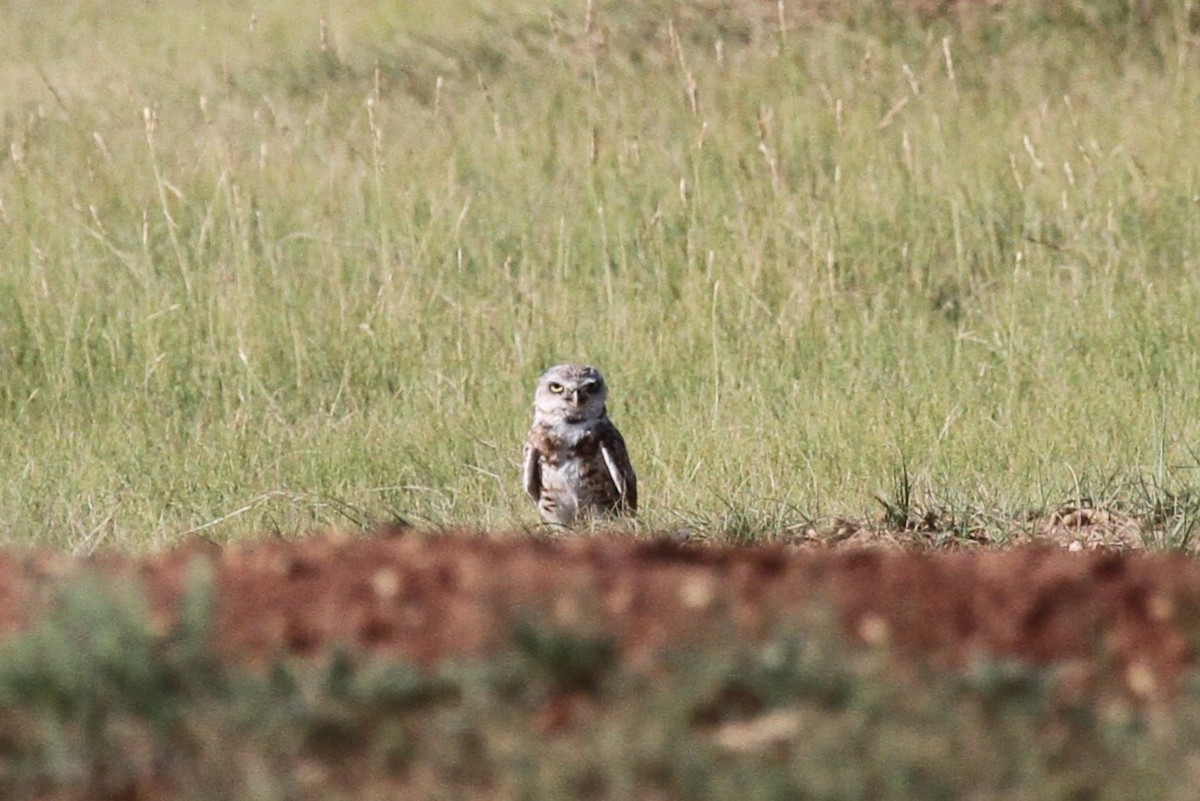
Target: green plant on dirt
[(568, 660), (899, 509), (286, 265), (92, 690)]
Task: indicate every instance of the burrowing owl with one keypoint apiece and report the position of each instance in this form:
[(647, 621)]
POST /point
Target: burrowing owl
[(575, 461)]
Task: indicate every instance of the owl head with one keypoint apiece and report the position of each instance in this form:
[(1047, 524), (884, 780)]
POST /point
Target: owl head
[(570, 392)]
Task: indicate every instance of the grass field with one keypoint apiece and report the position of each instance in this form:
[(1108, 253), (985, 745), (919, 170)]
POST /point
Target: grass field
[(280, 265)]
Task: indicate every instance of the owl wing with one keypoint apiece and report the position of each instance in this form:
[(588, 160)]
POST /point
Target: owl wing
[(616, 457), (532, 470)]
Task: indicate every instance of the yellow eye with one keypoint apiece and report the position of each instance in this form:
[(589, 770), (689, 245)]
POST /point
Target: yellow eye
[(556, 388)]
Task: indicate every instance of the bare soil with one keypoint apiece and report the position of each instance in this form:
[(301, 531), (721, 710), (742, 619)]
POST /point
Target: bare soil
[(429, 597)]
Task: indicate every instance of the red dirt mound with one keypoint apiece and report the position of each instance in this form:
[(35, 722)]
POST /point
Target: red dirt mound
[(427, 597)]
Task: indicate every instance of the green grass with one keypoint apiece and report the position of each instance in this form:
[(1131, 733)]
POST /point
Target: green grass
[(269, 270), (98, 703)]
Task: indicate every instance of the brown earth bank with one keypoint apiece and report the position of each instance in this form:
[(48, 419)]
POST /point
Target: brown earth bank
[(432, 596)]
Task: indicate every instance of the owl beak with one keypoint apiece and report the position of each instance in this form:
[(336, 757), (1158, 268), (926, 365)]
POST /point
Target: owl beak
[(575, 397)]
